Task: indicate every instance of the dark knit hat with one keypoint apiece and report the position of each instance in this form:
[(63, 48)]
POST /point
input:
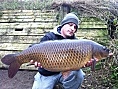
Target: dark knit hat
[(70, 17)]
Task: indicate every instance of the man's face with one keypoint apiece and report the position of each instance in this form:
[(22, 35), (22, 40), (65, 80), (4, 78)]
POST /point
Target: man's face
[(68, 30)]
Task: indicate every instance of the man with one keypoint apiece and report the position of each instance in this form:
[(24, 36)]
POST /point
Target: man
[(45, 79)]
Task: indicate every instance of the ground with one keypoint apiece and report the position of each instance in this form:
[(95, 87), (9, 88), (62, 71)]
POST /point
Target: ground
[(24, 80)]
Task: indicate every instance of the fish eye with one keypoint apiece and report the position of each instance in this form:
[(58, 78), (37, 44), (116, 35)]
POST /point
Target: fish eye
[(104, 48)]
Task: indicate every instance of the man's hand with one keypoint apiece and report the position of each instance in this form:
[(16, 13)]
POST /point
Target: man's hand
[(91, 63), (36, 64), (65, 74)]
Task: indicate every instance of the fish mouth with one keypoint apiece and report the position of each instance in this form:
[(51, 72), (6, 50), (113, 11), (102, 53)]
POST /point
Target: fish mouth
[(97, 59), (111, 54)]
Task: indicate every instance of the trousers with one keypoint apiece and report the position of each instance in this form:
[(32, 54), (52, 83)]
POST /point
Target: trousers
[(73, 81)]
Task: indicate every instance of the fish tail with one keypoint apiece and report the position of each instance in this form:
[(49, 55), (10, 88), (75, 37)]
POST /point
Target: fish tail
[(8, 59), (11, 60), (13, 69)]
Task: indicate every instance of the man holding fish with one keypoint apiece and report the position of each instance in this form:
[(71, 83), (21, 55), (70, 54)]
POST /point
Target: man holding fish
[(71, 79)]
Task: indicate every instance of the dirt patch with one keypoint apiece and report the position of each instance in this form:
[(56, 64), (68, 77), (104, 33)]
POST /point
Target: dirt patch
[(22, 80)]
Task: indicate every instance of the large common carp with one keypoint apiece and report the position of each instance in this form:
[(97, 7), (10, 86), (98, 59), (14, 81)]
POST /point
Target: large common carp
[(58, 55)]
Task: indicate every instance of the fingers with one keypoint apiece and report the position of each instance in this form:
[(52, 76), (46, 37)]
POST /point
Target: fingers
[(31, 61), (89, 63), (39, 65), (36, 64)]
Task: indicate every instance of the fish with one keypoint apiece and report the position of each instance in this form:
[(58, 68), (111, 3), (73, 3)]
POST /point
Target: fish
[(57, 55)]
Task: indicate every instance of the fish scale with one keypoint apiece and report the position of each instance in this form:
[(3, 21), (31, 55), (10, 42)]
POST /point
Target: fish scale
[(58, 55)]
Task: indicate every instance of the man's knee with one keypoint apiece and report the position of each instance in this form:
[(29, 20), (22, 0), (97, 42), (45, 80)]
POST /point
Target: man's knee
[(81, 73)]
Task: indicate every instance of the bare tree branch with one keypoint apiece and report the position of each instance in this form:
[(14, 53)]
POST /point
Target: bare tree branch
[(98, 8)]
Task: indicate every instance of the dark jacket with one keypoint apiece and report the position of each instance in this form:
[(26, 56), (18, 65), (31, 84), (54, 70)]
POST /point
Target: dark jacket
[(53, 35)]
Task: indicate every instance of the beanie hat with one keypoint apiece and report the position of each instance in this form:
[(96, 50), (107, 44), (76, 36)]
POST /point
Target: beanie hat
[(70, 17)]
